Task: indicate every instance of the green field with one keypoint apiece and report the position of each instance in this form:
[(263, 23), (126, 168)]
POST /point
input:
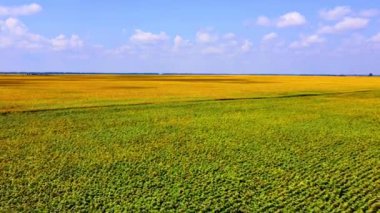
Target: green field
[(300, 150)]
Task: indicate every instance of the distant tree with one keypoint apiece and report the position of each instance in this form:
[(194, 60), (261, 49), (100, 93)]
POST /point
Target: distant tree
[(370, 74)]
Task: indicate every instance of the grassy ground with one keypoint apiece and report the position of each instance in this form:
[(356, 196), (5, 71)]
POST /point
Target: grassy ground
[(189, 143)]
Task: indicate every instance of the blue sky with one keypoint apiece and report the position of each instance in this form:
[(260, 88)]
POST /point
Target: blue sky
[(199, 36)]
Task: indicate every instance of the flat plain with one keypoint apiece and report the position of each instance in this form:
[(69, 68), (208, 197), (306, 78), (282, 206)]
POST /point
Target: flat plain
[(189, 143)]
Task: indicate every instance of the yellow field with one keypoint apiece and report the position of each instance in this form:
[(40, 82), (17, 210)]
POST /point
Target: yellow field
[(256, 144), (19, 93)]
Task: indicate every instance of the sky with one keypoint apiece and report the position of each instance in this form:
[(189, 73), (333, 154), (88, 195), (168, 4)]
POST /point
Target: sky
[(198, 36)]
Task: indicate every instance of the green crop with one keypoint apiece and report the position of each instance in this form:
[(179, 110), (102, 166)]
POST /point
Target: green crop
[(298, 153)]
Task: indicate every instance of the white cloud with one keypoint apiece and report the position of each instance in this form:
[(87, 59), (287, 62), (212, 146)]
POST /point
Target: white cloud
[(227, 44), (335, 13), (147, 37), (340, 12), (62, 42), (120, 50), (229, 36), (375, 38), (263, 21), (206, 42), (14, 26), (213, 50), (269, 36), (291, 19), (307, 41), (369, 13), (5, 42), (347, 24), (13, 33), (22, 10), (246, 46), (206, 37), (179, 42), (351, 24)]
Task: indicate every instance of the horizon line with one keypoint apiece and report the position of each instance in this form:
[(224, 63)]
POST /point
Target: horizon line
[(170, 73)]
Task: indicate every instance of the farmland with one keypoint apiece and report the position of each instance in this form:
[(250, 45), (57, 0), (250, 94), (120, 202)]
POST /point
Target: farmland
[(189, 143)]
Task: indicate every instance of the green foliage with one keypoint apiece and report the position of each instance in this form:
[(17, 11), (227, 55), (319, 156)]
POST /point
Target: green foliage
[(299, 154)]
